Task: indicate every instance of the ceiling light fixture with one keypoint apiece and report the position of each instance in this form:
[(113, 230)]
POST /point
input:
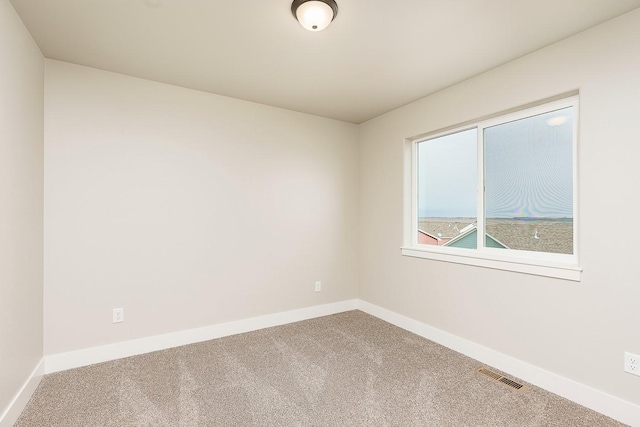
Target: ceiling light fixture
[(314, 15), (557, 120)]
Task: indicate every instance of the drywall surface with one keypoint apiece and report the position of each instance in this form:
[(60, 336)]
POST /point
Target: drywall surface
[(21, 197), (187, 209), (578, 330)]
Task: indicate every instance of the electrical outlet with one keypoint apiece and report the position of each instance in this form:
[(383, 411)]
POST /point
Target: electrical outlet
[(318, 286), (118, 315), (632, 363)]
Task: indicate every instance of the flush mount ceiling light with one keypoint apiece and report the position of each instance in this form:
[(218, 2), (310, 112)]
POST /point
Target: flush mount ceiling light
[(314, 15)]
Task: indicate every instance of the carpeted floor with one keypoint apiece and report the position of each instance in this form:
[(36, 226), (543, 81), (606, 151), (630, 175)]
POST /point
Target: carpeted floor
[(349, 369)]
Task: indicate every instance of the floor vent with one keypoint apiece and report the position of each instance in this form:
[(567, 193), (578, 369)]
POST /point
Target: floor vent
[(499, 378)]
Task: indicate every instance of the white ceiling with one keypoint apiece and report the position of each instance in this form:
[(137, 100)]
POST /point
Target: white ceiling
[(376, 56)]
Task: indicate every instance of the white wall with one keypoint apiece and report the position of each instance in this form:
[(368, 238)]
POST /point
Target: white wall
[(577, 330), (21, 197), (187, 209)]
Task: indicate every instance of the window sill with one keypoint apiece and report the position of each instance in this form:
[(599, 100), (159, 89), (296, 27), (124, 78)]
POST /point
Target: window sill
[(558, 271)]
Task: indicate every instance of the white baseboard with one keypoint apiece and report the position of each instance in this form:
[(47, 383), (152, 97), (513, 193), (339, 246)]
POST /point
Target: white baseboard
[(597, 400), (89, 356), (19, 402)]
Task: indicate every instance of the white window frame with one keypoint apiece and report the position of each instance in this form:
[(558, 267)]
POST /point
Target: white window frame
[(562, 266)]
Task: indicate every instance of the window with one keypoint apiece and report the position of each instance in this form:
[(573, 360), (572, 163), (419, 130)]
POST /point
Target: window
[(500, 193)]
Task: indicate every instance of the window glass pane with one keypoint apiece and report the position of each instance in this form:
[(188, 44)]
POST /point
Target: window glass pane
[(528, 173), (447, 190)]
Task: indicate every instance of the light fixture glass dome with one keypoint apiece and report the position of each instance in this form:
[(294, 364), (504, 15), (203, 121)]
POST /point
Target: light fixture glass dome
[(314, 15)]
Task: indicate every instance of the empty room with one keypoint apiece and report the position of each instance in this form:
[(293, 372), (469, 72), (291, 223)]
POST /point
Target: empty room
[(319, 213)]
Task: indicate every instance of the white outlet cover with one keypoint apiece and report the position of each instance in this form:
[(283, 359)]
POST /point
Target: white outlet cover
[(318, 286), (118, 315), (632, 363)]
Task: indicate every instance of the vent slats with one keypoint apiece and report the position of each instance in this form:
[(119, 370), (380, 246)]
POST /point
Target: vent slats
[(489, 373), (511, 383), (499, 378)]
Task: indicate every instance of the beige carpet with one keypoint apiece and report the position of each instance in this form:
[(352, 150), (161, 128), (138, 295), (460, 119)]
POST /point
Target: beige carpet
[(349, 369)]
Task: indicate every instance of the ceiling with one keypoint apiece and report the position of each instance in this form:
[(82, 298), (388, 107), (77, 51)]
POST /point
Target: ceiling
[(376, 56)]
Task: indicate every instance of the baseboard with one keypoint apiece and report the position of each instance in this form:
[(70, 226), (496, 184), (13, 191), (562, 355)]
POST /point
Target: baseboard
[(589, 397), (17, 405), (89, 356)]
